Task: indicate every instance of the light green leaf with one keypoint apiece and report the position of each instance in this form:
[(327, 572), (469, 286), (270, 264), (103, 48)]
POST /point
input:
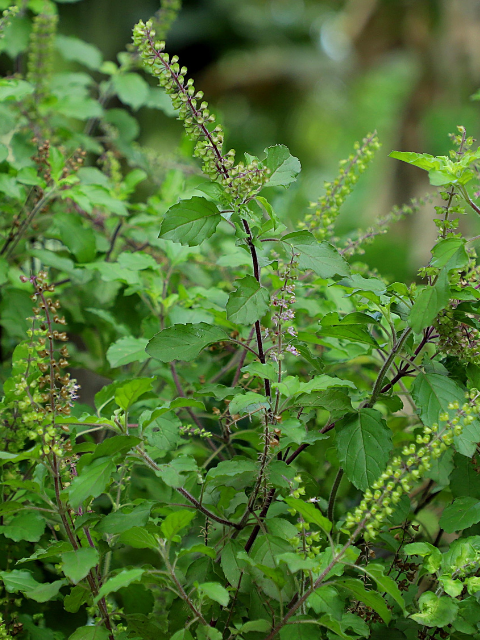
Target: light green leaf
[(249, 402), (183, 341), (14, 89), (432, 555), (322, 258), (77, 564), (385, 583), (175, 522), (131, 391), (249, 302), (283, 167), (132, 89), (450, 253), (26, 526), (126, 351), (159, 431), (190, 222), (122, 579), (138, 538), (214, 591), (435, 611), (79, 51), (80, 240), (430, 301), (363, 444), (91, 482), (46, 591), (309, 513), (461, 514), (18, 580)]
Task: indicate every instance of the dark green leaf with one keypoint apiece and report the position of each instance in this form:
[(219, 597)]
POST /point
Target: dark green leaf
[(91, 482), (77, 564), (122, 579), (371, 598)]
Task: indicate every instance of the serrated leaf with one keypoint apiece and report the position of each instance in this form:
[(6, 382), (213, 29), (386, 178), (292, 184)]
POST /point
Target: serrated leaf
[(127, 350), (321, 257), (183, 341), (77, 564), (284, 167), (191, 221), (363, 443), (461, 514), (249, 302)]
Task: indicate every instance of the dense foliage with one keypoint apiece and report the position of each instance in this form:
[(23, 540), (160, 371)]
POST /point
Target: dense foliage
[(281, 443)]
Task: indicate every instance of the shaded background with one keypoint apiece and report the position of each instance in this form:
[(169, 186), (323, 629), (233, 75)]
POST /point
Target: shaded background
[(317, 75)]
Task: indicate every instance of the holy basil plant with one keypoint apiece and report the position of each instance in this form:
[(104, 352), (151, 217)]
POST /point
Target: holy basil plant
[(272, 441)]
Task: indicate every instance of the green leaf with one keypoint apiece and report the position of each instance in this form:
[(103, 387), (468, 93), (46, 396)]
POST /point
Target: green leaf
[(161, 432), (371, 598), (127, 350), (430, 301), (130, 392), (91, 482), (322, 258), (25, 526), (77, 564), (450, 253), (432, 394), (255, 625), (309, 513), (464, 478), (214, 591), (120, 521), (183, 341), (79, 51), (90, 632), (18, 580), (461, 514), (435, 611), (385, 583), (14, 90), (432, 555), (138, 538), (422, 160), (249, 402), (283, 167), (132, 89), (347, 328), (249, 302), (122, 579), (229, 562), (46, 591), (80, 240), (326, 599), (266, 370), (175, 522), (78, 595), (191, 221), (363, 443)]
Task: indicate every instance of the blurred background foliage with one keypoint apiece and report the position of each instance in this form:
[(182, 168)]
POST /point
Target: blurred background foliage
[(317, 75)]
